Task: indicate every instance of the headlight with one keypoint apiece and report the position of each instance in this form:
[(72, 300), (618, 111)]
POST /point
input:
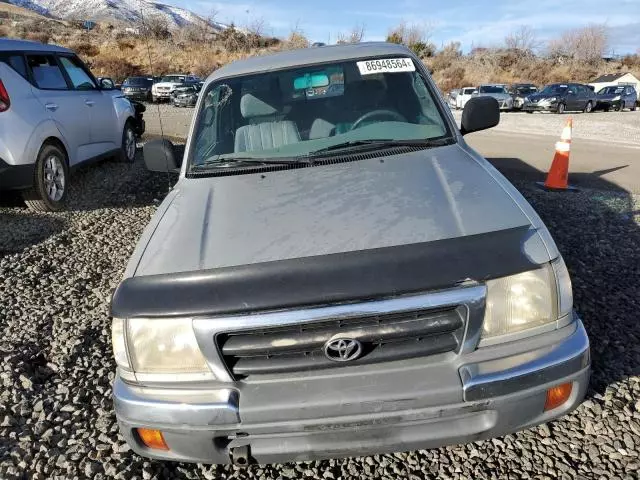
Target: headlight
[(520, 302), (157, 346)]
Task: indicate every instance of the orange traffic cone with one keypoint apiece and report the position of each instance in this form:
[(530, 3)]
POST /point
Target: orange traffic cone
[(558, 176)]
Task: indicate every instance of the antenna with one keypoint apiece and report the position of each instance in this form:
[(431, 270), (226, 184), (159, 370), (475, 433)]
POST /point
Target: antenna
[(146, 32)]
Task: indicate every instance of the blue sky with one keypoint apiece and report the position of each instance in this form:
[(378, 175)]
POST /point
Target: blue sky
[(480, 22)]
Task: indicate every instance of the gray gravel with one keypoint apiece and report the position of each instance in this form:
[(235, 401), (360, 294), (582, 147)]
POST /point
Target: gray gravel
[(57, 272)]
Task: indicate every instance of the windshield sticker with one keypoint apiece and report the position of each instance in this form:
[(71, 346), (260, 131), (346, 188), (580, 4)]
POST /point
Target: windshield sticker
[(386, 65)]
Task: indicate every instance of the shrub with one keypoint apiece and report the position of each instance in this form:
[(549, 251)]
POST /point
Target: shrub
[(114, 67), (297, 40), (125, 44), (42, 37), (4, 31), (85, 49)]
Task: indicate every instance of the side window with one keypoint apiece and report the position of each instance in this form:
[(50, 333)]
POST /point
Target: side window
[(16, 61), (46, 72), (573, 90), (80, 79)]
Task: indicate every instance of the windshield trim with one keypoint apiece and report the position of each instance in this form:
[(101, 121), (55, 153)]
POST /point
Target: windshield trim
[(447, 121)]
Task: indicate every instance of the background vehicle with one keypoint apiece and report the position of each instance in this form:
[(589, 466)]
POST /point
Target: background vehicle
[(163, 89), (54, 115), (497, 91), (138, 88), (452, 96), (326, 361), (464, 96), (559, 97), (617, 98), (185, 95), (519, 92)]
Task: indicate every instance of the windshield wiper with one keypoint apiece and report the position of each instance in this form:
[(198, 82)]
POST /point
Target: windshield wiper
[(217, 162), (360, 145)]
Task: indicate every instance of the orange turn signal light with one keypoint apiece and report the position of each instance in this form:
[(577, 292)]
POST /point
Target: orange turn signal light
[(557, 395), (152, 438)]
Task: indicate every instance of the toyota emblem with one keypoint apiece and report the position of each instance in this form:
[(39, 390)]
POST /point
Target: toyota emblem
[(342, 349)]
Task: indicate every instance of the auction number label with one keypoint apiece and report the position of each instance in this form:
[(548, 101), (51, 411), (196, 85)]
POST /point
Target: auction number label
[(386, 65)]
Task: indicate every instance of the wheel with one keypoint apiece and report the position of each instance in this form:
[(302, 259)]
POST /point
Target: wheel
[(128, 148), (561, 108), (50, 182), (633, 108), (620, 106), (588, 107)]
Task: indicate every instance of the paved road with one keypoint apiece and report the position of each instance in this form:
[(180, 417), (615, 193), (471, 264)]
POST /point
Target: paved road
[(592, 163)]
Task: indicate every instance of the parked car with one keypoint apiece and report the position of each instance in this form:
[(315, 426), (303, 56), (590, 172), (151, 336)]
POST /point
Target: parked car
[(452, 96), (337, 276), (464, 96), (559, 97), (163, 89), (55, 115), (519, 92), (617, 97), (138, 88), (185, 96), (497, 91)]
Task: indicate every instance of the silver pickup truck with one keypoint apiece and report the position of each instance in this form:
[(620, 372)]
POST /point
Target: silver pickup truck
[(337, 273)]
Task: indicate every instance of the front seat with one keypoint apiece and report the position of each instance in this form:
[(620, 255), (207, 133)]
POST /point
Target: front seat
[(264, 131)]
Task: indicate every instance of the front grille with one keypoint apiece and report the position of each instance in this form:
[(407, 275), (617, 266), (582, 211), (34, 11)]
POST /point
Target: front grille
[(300, 348)]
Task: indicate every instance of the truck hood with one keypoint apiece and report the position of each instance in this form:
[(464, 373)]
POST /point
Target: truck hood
[(497, 96), (247, 219), (167, 84)]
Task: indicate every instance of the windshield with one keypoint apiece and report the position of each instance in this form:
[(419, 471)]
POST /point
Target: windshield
[(301, 111), (526, 90), (468, 91), (611, 90), (554, 89), (492, 89), (173, 78), (138, 81)]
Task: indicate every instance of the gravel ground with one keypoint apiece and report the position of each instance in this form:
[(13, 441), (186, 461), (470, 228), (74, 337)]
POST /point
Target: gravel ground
[(57, 272), (616, 127)]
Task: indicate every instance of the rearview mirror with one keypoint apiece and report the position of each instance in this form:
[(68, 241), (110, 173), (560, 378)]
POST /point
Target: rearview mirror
[(160, 156), (480, 113), (310, 80)]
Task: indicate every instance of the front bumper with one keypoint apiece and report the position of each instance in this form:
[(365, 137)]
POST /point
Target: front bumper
[(185, 102), (15, 176), (162, 94), (140, 95), (497, 390), (540, 107)]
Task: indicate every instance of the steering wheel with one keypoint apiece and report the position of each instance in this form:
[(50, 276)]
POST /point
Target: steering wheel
[(378, 113)]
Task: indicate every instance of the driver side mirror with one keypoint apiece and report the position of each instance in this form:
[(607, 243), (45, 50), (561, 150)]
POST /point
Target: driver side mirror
[(106, 84), (160, 156), (479, 113)]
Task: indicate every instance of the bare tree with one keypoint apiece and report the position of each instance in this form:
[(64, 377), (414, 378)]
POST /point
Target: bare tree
[(354, 36), (587, 44), (415, 36), (523, 39)]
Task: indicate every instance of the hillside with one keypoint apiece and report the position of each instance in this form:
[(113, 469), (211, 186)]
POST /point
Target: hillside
[(128, 11)]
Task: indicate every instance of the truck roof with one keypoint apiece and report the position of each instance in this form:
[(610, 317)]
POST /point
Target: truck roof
[(308, 56), (13, 44)]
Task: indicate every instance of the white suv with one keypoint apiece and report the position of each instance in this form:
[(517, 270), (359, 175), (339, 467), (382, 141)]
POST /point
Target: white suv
[(163, 89), (55, 115)]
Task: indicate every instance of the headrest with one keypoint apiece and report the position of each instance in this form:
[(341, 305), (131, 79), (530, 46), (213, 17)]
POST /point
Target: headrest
[(252, 106)]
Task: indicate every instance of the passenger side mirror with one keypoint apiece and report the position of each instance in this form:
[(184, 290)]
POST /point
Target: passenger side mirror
[(160, 156), (480, 113)]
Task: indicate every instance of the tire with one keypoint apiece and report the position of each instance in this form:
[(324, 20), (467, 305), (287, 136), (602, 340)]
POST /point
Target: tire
[(620, 107), (588, 108), (128, 147), (561, 108), (50, 182), (633, 108)]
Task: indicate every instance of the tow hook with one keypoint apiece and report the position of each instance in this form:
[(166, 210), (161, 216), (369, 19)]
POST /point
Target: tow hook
[(240, 455)]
